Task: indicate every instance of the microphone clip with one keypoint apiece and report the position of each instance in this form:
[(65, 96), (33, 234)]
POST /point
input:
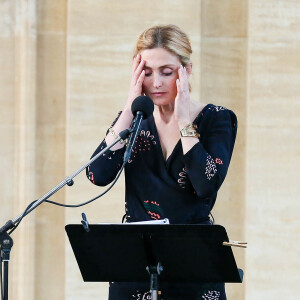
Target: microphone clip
[(85, 223)]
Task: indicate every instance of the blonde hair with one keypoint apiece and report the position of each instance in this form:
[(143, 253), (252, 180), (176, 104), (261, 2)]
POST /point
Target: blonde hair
[(169, 37)]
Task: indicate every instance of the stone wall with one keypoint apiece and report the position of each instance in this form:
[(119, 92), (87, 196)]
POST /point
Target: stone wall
[(65, 75)]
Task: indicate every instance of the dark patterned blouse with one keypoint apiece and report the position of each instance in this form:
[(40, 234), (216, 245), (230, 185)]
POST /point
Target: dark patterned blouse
[(182, 188)]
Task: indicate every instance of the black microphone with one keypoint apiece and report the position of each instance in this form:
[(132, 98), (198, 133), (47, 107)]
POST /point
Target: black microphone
[(142, 108)]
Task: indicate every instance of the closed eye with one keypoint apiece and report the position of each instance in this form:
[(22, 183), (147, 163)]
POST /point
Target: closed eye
[(166, 72)]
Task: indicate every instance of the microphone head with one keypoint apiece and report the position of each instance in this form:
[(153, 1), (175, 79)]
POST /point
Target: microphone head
[(143, 104)]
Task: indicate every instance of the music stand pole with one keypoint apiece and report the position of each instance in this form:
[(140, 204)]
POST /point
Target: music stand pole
[(154, 272), (6, 243)]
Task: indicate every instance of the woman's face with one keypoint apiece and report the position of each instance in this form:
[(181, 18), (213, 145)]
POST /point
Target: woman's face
[(161, 72)]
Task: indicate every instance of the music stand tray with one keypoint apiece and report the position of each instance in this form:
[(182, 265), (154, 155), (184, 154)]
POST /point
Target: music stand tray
[(122, 252)]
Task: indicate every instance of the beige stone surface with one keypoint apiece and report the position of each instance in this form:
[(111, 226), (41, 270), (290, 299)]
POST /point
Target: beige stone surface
[(7, 122), (273, 225), (50, 144), (127, 18), (223, 82), (19, 59), (52, 16), (278, 18), (65, 75), (223, 70), (273, 123), (224, 18), (50, 163)]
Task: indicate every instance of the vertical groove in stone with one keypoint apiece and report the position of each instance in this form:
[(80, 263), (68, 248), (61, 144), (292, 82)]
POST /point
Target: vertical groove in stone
[(24, 148), (50, 147)]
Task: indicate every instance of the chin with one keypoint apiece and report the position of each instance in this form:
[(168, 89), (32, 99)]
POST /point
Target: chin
[(161, 102)]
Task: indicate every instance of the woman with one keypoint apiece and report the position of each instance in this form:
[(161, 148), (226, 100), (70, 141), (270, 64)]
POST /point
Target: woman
[(182, 152)]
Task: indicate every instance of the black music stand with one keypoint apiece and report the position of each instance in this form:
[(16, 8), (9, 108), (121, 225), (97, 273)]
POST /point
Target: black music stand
[(178, 253)]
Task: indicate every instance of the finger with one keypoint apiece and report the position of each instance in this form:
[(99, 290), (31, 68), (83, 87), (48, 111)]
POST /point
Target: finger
[(181, 74), (136, 62), (141, 78), (186, 79), (183, 79), (178, 86), (139, 70), (140, 67)]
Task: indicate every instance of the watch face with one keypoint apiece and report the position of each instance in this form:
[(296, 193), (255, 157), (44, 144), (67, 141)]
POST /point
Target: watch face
[(189, 131)]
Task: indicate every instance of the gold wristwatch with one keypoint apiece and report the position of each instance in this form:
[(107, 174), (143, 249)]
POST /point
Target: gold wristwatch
[(189, 130)]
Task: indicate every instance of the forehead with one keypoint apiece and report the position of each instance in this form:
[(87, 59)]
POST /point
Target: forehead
[(158, 57)]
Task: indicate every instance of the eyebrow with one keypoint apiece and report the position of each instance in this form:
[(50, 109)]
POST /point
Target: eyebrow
[(161, 67)]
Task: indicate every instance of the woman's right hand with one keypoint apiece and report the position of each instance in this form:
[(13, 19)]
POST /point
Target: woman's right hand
[(125, 119), (137, 79)]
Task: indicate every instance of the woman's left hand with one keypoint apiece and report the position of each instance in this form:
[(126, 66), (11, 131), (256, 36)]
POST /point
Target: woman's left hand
[(182, 100)]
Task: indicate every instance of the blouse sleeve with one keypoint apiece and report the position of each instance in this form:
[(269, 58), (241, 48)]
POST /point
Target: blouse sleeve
[(208, 161), (106, 167)]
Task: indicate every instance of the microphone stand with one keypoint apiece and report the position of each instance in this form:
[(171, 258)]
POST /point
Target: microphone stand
[(6, 242), (135, 128)]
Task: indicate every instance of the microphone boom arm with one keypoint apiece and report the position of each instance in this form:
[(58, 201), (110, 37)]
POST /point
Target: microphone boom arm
[(67, 181)]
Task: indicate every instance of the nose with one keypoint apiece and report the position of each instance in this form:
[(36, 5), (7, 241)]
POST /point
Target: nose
[(157, 81)]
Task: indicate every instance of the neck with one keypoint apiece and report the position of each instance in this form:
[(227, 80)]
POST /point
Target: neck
[(164, 112)]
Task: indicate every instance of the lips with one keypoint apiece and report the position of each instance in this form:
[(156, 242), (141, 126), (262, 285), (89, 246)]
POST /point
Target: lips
[(158, 94)]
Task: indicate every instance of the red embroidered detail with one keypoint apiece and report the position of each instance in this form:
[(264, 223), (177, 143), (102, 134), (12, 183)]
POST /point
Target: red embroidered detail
[(91, 177), (219, 161), (153, 209), (182, 179), (154, 215), (143, 143)]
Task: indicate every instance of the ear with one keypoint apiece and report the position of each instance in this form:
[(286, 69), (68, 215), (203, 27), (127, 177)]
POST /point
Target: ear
[(189, 67)]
